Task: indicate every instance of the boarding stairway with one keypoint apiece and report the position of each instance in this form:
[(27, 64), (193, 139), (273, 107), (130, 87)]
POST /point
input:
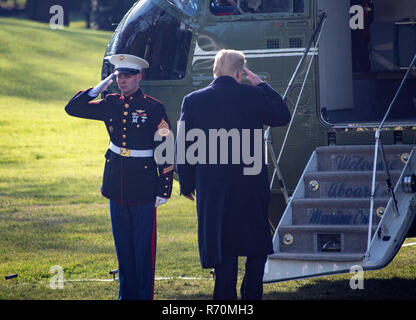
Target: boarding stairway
[(328, 216), (324, 227)]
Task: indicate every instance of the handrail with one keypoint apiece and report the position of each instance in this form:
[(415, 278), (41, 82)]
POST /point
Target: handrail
[(239, 8), (299, 96), (378, 144), (267, 135)]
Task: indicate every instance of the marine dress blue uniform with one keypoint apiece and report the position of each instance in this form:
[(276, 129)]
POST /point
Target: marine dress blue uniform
[(232, 206), (132, 180)]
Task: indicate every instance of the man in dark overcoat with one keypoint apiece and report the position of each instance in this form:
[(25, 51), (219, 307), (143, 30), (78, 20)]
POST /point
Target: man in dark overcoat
[(133, 181), (229, 176)]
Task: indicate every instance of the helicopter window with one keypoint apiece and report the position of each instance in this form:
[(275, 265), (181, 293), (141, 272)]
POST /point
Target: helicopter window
[(190, 7), (230, 7), (153, 34), (298, 6)]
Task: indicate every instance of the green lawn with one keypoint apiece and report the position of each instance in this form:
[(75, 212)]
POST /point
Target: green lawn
[(51, 211)]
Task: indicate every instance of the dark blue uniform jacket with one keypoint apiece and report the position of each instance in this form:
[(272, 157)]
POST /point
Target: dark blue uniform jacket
[(131, 123), (232, 207)]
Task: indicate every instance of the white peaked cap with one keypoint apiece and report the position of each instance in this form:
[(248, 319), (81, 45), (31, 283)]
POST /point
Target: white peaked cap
[(127, 63)]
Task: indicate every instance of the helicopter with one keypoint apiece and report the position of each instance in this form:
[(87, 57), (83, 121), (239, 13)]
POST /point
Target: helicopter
[(344, 193)]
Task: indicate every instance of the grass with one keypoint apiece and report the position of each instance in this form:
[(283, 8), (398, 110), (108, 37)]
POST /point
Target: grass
[(51, 212)]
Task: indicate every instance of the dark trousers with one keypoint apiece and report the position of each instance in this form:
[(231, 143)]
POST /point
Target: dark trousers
[(134, 231), (226, 279)]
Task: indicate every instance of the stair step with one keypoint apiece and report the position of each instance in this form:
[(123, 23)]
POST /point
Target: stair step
[(321, 256), (326, 228), (360, 157), (311, 238), (327, 211), (345, 184)]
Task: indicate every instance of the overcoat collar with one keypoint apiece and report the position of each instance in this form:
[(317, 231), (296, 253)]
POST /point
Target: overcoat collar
[(224, 80)]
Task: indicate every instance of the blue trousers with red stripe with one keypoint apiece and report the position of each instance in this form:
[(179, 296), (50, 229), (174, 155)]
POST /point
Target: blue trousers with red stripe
[(134, 231)]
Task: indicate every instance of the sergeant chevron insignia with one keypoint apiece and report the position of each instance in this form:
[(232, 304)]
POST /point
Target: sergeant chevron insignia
[(163, 128)]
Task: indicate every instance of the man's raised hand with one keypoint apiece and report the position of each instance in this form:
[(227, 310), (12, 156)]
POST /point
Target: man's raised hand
[(252, 77)]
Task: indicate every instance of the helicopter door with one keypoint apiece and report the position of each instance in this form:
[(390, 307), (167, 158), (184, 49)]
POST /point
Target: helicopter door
[(360, 69)]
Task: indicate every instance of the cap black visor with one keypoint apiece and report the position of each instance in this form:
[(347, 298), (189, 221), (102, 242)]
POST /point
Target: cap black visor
[(127, 70)]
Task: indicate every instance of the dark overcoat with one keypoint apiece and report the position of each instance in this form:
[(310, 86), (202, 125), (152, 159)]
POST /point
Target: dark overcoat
[(232, 206), (131, 123)]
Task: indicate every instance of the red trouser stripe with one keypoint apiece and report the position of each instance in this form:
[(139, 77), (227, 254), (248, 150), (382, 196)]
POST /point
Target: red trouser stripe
[(153, 253)]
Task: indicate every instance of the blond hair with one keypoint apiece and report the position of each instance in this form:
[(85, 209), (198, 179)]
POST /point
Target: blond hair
[(228, 62)]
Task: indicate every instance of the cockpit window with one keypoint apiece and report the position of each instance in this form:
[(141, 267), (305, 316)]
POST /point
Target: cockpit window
[(190, 7), (153, 34), (230, 7)]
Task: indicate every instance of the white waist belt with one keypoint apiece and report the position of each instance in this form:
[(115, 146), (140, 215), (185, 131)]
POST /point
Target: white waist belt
[(130, 152)]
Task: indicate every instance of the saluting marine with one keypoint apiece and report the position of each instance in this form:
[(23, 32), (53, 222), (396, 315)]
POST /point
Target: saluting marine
[(133, 181)]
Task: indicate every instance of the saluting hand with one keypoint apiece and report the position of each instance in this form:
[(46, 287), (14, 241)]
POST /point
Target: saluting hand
[(253, 78), (159, 201), (102, 86)]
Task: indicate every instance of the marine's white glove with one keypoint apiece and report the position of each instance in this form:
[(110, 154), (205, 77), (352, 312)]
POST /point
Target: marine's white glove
[(101, 87), (159, 201)]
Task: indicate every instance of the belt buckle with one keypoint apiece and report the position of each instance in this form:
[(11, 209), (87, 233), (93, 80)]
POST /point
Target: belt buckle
[(124, 152)]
